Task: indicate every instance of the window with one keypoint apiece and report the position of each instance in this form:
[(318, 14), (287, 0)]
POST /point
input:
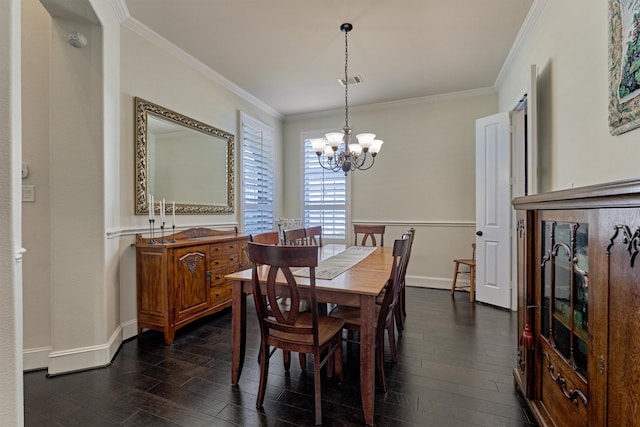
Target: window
[(325, 196), (257, 175)]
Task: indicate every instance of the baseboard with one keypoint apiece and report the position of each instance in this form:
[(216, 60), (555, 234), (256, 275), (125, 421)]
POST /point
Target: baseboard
[(432, 282), (129, 329), (35, 358), (83, 358)]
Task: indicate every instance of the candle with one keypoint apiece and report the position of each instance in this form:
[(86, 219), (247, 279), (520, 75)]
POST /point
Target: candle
[(164, 207), (152, 208), (174, 212)]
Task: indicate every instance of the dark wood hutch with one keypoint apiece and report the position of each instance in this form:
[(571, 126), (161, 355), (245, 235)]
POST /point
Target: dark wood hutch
[(579, 297), (183, 279)]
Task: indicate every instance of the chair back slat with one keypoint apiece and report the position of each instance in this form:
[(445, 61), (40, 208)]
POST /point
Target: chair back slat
[(368, 233), (295, 237), (314, 235), (267, 238), (281, 259)]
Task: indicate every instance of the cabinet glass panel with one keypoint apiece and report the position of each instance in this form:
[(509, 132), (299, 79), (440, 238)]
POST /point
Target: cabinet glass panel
[(564, 268)]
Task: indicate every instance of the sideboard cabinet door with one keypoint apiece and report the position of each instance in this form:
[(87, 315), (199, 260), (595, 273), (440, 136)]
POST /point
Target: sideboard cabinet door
[(190, 285)]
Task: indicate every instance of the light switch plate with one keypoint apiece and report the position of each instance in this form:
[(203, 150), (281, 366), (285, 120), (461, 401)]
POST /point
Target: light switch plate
[(28, 193)]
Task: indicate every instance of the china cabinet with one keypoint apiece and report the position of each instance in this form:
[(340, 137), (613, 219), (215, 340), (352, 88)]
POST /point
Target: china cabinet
[(578, 302), (183, 279)]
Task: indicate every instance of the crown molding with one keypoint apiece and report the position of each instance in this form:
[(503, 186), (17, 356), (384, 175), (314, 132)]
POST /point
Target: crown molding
[(121, 10), (395, 104), (527, 26), (155, 38)]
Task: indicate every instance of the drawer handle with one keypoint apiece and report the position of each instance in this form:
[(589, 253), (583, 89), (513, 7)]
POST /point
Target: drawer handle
[(218, 277), (572, 395), (217, 294), (232, 259)]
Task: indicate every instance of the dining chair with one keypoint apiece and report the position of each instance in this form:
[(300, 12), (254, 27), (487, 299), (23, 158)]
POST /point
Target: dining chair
[(267, 238), (401, 308), (295, 237), (314, 235), (292, 330), (368, 232), (469, 270), (385, 312)]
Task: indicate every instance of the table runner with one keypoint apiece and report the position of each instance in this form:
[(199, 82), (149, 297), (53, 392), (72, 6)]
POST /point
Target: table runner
[(339, 263)]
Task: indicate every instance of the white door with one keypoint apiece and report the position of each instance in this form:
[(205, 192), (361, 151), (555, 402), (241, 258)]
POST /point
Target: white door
[(493, 210)]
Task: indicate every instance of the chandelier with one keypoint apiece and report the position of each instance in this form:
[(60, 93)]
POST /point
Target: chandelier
[(355, 154)]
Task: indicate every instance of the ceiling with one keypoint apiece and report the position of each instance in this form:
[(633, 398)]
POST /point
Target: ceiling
[(289, 54)]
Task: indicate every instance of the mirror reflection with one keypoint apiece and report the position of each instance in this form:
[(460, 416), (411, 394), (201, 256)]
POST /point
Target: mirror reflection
[(182, 160)]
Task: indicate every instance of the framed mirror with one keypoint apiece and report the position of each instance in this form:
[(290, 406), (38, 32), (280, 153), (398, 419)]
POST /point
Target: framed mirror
[(181, 160)]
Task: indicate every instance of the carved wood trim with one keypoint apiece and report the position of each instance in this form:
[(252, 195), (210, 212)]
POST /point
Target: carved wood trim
[(631, 240)]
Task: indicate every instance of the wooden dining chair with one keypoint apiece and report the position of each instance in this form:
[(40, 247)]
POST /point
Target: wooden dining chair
[(385, 312), (368, 233), (314, 235), (267, 238), (295, 237), (292, 330), (401, 308), (469, 269)]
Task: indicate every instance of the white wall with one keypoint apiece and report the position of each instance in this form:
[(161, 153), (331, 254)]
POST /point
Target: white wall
[(424, 175), (569, 45), (11, 391)]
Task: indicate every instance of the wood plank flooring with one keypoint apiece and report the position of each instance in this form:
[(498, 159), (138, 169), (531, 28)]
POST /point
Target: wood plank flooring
[(454, 369)]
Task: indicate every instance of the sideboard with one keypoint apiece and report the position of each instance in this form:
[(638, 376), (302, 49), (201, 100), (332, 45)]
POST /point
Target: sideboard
[(182, 279), (579, 305)]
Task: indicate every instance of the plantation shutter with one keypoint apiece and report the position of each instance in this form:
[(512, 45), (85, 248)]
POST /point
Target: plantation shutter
[(257, 176), (325, 197)]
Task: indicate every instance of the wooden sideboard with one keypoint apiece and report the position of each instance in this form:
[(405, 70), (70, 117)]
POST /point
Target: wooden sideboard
[(579, 295), (183, 279)]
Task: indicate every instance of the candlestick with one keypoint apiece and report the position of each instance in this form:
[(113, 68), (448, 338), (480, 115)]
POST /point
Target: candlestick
[(174, 234), (162, 239), (151, 227)]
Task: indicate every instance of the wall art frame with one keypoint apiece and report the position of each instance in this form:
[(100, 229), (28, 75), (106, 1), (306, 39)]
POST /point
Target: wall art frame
[(624, 65)]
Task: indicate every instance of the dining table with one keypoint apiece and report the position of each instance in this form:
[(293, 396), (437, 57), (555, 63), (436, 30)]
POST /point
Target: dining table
[(357, 286)]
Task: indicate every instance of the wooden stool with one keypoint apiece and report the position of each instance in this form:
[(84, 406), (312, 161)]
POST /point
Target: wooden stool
[(471, 264)]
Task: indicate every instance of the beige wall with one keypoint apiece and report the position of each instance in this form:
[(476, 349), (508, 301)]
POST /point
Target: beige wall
[(36, 228), (569, 45), (423, 177), (150, 71), (79, 282)]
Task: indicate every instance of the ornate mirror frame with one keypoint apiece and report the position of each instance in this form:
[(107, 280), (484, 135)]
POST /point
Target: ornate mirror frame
[(142, 110)]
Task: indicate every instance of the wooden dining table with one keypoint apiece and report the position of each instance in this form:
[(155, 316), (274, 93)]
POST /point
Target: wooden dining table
[(357, 287)]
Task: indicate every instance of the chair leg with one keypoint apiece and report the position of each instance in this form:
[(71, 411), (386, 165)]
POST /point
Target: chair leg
[(472, 283), (397, 313), (337, 360), (286, 356), (264, 371), (303, 361), (455, 279), (391, 330), (380, 363), (317, 387)]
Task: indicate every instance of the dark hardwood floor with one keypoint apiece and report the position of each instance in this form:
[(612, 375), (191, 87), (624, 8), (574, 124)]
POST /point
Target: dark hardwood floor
[(454, 369)]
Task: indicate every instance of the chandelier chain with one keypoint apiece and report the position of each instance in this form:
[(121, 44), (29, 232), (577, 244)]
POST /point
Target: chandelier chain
[(346, 80)]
